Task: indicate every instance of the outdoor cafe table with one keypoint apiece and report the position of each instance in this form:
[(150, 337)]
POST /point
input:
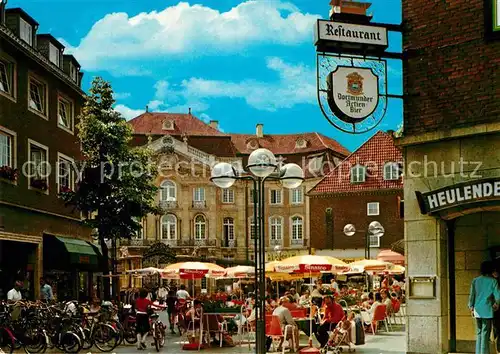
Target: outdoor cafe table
[(304, 325)]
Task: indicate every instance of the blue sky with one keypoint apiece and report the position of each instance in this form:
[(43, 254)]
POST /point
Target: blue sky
[(238, 62)]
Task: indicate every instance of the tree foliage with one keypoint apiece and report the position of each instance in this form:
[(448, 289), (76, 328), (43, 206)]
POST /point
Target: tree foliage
[(116, 186)]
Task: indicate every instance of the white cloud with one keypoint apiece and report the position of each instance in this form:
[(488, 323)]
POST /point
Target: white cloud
[(295, 85), (121, 95), (127, 112), (185, 29)]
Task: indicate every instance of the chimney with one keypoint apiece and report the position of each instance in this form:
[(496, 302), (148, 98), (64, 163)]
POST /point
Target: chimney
[(214, 124), (259, 130)]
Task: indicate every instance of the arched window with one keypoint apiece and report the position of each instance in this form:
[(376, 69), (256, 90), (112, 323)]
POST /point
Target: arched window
[(169, 227), (276, 225), (168, 191), (200, 227), (391, 171), (358, 174), (228, 232), (297, 229)]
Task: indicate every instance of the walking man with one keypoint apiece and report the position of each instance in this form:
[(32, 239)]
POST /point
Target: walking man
[(484, 299)]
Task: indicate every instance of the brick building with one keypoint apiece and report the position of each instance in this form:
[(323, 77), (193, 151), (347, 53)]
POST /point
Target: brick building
[(40, 97), (450, 142), (218, 224), (367, 186)]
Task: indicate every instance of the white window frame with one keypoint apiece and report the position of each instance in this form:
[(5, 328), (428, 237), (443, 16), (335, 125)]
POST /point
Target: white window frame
[(168, 224), (293, 234), (139, 235), (252, 225), (276, 201), (54, 54), (43, 97), (70, 112), (199, 194), (10, 66), (73, 72), (200, 227), (228, 226), (358, 174), (370, 206), (165, 192), (71, 172), (391, 171), (13, 145), (47, 160), (374, 241), (227, 196), (275, 225), (293, 192), (25, 31)]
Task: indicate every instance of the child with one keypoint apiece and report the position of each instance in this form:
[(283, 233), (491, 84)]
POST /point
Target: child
[(142, 306), (171, 309)]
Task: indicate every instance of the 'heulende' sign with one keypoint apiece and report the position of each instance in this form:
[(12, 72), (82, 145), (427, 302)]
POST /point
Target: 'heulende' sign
[(459, 195), (350, 33)]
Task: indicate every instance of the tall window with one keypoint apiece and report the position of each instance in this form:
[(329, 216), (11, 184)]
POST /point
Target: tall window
[(64, 174), (276, 225), (169, 227), (73, 73), (297, 228), (139, 234), (276, 196), (37, 100), (26, 31), (297, 196), (200, 227), (228, 196), (65, 113), (6, 144), (373, 209), (6, 77), (391, 171), (252, 228), (54, 54), (168, 191), (38, 161), (199, 194), (374, 241), (358, 174), (228, 230)]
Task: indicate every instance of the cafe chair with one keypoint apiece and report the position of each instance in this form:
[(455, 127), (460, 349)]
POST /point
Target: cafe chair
[(380, 315)]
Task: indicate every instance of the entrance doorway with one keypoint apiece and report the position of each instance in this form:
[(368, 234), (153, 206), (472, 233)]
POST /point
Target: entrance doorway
[(471, 240), (17, 262)]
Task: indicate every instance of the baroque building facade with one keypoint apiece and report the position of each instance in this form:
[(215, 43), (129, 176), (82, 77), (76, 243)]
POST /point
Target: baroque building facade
[(203, 221)]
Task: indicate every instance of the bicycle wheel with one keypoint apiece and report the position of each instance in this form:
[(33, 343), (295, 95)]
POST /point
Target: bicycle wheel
[(35, 341), (156, 338), (119, 328), (129, 334), (105, 337), (70, 342), (86, 340), (7, 341)]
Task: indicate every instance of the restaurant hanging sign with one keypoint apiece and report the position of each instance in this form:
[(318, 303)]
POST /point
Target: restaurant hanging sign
[(463, 194)]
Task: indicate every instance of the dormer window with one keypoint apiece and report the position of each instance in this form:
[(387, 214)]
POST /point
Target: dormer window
[(73, 73), (26, 31), (315, 164), (300, 144), (168, 125), (358, 174), (391, 171), (54, 54), (252, 145)]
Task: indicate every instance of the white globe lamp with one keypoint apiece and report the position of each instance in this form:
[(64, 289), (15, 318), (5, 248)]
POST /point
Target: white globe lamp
[(349, 230), (293, 176), (223, 175), (262, 163)]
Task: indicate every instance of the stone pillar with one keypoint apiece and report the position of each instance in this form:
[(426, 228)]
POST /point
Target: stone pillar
[(38, 271)]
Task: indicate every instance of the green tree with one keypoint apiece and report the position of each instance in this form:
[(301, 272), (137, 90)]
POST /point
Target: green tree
[(115, 187)]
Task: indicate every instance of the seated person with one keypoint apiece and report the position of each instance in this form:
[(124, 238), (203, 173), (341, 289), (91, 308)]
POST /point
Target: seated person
[(368, 302), (368, 315), (386, 300), (194, 314), (286, 302), (305, 299), (334, 313), (287, 322)]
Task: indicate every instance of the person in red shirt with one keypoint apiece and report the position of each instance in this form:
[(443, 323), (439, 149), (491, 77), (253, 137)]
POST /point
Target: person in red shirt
[(334, 313), (142, 306)]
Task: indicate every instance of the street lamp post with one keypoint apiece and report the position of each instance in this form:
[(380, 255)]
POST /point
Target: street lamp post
[(374, 229), (262, 166)]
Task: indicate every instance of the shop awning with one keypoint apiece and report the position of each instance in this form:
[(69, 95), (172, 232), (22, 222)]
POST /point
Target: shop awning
[(80, 252), (66, 253)]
